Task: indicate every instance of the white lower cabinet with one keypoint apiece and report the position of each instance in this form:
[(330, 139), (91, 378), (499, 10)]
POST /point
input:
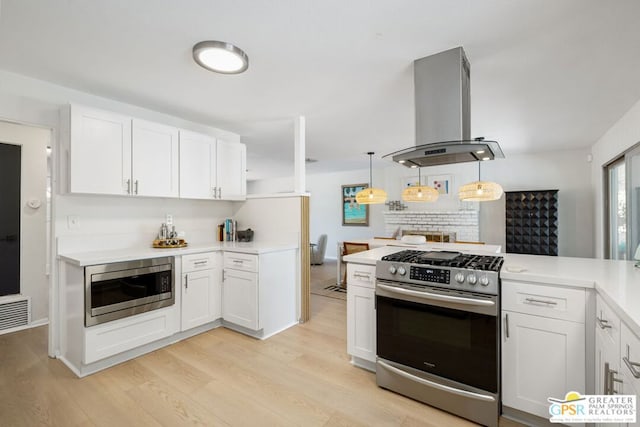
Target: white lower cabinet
[(361, 322), (259, 292), (361, 314), (240, 298), (201, 289), (111, 338), (630, 366), (543, 344), (541, 358)]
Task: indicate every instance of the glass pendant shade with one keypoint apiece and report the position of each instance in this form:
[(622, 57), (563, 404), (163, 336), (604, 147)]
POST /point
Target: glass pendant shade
[(420, 193), (480, 191), (371, 196)]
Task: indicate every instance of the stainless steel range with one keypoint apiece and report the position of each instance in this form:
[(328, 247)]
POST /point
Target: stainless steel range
[(438, 330)]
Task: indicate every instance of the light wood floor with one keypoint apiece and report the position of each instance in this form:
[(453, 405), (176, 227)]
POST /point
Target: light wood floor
[(299, 377)]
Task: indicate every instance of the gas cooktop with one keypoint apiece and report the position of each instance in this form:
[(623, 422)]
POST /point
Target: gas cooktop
[(444, 269), (448, 259)]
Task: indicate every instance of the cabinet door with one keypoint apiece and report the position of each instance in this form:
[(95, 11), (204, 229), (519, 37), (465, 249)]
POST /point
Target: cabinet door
[(155, 159), (100, 152), (605, 354), (201, 298), (197, 166), (541, 358), (240, 298), (231, 170), (361, 322)]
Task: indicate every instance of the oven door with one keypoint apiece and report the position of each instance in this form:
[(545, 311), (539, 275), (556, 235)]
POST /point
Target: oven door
[(443, 332)]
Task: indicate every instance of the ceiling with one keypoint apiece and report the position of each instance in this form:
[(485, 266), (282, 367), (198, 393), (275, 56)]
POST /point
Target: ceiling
[(545, 74)]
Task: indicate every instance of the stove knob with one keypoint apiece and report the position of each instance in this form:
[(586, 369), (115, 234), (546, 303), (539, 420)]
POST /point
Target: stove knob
[(484, 281), (402, 271), (459, 278), (472, 279), (392, 269)]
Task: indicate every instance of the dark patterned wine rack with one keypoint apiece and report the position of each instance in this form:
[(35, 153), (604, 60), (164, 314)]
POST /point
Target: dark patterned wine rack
[(532, 222)]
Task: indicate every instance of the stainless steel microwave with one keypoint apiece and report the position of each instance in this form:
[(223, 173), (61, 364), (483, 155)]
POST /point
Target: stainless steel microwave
[(117, 290)]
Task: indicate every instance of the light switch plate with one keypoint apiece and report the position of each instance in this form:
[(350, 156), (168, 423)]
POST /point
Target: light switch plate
[(169, 219)]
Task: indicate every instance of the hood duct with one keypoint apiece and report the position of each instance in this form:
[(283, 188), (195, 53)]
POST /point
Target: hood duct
[(443, 114)]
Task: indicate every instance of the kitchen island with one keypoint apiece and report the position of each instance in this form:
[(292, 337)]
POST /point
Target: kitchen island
[(566, 324)]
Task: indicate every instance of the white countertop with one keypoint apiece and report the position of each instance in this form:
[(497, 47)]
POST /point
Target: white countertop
[(618, 282), (82, 259), (431, 246)]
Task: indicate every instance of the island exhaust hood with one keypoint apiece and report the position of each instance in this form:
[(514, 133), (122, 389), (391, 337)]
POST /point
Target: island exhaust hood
[(443, 114)]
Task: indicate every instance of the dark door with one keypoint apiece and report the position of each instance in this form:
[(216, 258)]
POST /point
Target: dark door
[(9, 219)]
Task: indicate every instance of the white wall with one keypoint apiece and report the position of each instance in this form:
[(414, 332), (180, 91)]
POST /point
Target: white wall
[(110, 222), (567, 171), (621, 136)]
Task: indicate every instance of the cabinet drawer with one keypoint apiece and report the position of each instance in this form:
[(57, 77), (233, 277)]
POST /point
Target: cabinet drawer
[(607, 323), (362, 275), (240, 261), (541, 300), (196, 262), (630, 356)]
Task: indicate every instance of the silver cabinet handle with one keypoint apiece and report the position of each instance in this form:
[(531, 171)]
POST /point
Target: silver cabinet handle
[(362, 275), (506, 325), (603, 323), (128, 186), (186, 281), (213, 191), (201, 262), (237, 261), (442, 387), (633, 366), (539, 301), (605, 380), (219, 192), (136, 186), (612, 380)]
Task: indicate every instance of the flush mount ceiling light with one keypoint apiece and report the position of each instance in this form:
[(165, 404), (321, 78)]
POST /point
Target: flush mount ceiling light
[(220, 57), (480, 191), (420, 193), (371, 196)]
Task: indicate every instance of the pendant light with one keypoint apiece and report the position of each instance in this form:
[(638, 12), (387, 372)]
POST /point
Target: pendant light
[(420, 193), (480, 191), (371, 196)]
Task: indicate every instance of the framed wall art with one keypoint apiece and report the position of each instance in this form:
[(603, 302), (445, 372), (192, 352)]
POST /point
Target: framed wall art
[(352, 212), (442, 183)]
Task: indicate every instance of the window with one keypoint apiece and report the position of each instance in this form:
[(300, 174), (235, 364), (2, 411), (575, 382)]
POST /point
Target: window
[(623, 205)]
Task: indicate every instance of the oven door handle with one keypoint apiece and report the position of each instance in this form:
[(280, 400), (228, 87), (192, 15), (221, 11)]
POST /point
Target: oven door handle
[(437, 297), (442, 387)]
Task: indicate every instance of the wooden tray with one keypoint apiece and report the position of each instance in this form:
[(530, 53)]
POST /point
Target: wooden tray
[(169, 243)]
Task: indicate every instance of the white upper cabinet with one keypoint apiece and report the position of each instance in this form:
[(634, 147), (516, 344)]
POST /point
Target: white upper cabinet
[(100, 152), (211, 169), (231, 170), (119, 155), (155, 159), (197, 165)]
